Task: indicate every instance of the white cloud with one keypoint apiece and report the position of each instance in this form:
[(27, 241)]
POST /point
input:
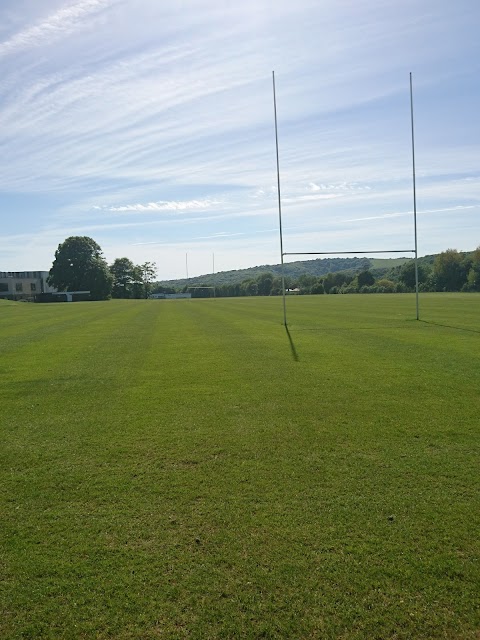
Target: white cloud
[(312, 198), (342, 186), (221, 234), (186, 205), (410, 213), (61, 23)]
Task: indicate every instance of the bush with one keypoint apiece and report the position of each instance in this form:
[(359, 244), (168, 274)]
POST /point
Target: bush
[(317, 288), (386, 286), (349, 288)]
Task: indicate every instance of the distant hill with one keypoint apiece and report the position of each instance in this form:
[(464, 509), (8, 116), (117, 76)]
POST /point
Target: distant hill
[(317, 267)]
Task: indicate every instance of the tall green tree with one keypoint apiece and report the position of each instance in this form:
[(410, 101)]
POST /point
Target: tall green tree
[(249, 287), (450, 270), (122, 271), (407, 274), (365, 279), (143, 277), (335, 280), (264, 284), (276, 289), (473, 278), (317, 287), (306, 282), (79, 265), (149, 272)]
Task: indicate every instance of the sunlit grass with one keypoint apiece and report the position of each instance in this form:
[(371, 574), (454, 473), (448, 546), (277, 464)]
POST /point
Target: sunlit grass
[(188, 469)]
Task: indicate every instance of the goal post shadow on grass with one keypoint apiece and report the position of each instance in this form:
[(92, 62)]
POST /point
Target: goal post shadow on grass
[(326, 253)]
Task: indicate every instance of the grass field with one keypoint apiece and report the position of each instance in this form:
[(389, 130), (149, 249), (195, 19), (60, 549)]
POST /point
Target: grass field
[(188, 469)]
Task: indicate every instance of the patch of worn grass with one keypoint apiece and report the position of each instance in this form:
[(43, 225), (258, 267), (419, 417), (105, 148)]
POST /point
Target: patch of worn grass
[(187, 469)]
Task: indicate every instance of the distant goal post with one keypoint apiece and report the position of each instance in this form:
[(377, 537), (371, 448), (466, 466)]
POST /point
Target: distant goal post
[(196, 289)]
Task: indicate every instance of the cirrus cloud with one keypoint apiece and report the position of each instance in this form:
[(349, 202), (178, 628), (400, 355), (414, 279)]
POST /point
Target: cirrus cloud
[(163, 205), (63, 22)]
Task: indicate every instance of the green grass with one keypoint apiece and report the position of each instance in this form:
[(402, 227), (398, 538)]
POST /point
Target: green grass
[(187, 469)]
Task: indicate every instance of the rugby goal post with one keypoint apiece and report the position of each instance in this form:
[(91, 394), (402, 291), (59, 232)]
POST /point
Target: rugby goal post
[(325, 253), (197, 288)]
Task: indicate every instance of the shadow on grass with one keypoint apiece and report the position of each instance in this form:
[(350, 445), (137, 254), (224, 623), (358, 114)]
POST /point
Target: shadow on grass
[(292, 346), (449, 326)]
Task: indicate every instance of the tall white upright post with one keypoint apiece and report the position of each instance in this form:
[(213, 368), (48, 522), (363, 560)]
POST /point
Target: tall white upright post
[(213, 271), (279, 203), (414, 198)]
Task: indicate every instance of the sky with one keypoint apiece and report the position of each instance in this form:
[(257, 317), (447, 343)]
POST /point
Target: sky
[(148, 125)]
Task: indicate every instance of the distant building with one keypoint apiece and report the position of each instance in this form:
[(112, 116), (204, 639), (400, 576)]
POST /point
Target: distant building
[(23, 285)]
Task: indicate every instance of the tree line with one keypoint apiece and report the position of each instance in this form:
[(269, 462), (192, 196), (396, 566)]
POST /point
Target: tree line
[(449, 271), (79, 265)]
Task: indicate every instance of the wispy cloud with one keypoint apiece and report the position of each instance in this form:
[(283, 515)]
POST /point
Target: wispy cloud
[(61, 23), (339, 186), (312, 197), (162, 205), (409, 213), (222, 234), (215, 236)]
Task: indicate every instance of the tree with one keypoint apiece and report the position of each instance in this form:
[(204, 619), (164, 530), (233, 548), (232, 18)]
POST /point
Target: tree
[(450, 270), (142, 279), (306, 280), (264, 284), (407, 274), (336, 280), (122, 271), (328, 282), (149, 271), (80, 266), (384, 285), (249, 287), (473, 280), (276, 289), (365, 279), (317, 288)]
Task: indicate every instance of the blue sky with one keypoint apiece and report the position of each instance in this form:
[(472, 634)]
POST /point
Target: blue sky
[(148, 125)]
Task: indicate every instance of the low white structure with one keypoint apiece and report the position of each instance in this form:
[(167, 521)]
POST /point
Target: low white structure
[(69, 294), (169, 296)]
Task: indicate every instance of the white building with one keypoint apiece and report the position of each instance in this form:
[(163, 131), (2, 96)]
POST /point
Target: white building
[(23, 285)]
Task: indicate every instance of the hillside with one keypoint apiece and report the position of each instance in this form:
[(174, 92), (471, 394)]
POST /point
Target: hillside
[(317, 267)]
